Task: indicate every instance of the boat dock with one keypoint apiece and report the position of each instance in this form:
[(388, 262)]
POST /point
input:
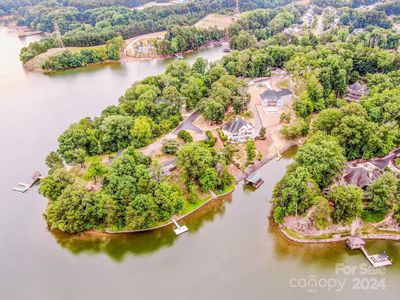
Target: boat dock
[(24, 34), (254, 180), (179, 229), (376, 260), (23, 187)]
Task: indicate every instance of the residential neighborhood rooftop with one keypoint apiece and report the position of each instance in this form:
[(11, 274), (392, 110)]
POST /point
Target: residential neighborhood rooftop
[(356, 90), (235, 125)]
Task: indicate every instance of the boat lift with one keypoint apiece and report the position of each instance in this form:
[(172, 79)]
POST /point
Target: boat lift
[(179, 229)]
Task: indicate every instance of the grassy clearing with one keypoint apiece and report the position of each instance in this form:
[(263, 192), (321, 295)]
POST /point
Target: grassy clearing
[(189, 207), (226, 190), (371, 216), (218, 21), (316, 238), (283, 84)]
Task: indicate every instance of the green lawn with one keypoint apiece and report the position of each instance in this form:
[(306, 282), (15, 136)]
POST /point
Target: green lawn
[(372, 216), (226, 190), (189, 207)]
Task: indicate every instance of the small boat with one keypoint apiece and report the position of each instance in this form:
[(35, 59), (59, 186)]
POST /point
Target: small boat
[(227, 50), (179, 55)]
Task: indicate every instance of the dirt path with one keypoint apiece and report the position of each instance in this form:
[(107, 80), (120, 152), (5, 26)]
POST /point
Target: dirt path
[(218, 21), (319, 28)]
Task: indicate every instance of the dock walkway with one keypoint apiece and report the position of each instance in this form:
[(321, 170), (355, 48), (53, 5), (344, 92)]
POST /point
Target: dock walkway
[(376, 260), (24, 187)]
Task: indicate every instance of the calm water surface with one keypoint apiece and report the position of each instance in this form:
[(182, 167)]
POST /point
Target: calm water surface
[(231, 251)]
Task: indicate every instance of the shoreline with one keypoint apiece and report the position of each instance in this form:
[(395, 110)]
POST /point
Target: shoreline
[(213, 198), (310, 241), (123, 59), (216, 197), (106, 62)]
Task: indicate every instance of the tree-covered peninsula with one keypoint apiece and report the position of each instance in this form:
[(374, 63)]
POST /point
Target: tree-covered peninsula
[(114, 186)]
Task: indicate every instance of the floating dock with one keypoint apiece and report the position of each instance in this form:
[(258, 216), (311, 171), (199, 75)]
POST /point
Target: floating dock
[(376, 260), (179, 229)]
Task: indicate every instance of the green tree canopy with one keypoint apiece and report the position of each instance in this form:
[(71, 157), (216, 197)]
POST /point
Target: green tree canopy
[(383, 192), (323, 157), (348, 203)]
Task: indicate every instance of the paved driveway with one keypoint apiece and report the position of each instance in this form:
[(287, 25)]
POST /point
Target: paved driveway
[(188, 124)]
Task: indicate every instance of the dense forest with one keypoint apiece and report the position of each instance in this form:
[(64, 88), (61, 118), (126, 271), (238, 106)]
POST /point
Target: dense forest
[(8, 7), (264, 23), (344, 3), (342, 131), (67, 60), (184, 38), (91, 27)]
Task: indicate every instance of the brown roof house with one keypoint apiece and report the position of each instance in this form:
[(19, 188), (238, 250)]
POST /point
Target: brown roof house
[(355, 91), (238, 131), (360, 176), (363, 172)]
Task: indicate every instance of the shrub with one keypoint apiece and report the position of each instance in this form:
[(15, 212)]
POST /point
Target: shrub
[(169, 146), (222, 135), (185, 136), (211, 139), (298, 129), (285, 118)]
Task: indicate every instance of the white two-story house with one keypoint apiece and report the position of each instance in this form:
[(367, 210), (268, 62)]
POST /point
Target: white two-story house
[(239, 131)]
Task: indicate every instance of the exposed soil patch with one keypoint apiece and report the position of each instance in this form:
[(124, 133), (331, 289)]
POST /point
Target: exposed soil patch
[(218, 21)]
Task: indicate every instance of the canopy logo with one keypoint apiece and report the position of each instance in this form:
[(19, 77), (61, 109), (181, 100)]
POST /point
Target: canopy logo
[(361, 277), (313, 284)]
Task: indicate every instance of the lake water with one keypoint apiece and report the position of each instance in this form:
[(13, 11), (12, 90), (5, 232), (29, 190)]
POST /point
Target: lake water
[(231, 251)]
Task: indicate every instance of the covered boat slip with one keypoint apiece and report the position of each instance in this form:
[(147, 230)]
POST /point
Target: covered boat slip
[(254, 180)]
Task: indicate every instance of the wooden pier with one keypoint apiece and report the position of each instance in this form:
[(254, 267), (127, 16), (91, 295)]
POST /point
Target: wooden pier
[(24, 187), (23, 34), (376, 260)]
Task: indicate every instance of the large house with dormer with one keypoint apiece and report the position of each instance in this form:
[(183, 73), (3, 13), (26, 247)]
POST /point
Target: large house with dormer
[(239, 130), (362, 173)]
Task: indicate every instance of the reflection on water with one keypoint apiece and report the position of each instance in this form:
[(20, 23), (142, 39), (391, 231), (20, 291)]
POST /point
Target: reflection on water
[(116, 246), (324, 255)]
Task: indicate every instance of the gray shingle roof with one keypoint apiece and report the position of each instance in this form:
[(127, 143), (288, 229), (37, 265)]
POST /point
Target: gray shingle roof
[(235, 126), (274, 95), (358, 87), (359, 176)]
